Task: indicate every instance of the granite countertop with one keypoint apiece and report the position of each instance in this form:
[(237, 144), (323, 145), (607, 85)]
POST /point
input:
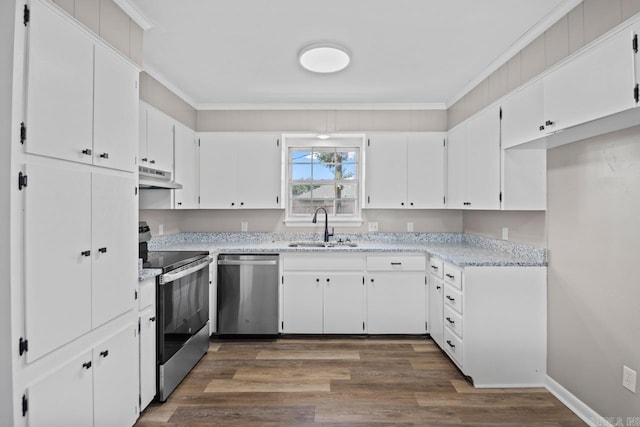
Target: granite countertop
[(457, 248), (148, 273)]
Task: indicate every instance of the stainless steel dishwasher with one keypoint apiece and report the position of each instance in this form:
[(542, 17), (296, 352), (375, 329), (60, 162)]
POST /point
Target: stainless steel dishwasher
[(248, 294)]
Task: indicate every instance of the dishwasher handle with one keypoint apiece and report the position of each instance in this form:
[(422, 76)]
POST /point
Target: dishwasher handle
[(247, 262)]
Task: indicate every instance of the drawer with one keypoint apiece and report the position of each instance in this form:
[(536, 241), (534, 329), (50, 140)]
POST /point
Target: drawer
[(453, 346), (323, 262), (453, 275), (396, 263), (453, 320), (452, 298), (436, 267), (146, 293)]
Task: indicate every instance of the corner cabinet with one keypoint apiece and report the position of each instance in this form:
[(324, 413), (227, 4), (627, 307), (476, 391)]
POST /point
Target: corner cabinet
[(405, 170), (240, 170), (187, 171), (156, 139)]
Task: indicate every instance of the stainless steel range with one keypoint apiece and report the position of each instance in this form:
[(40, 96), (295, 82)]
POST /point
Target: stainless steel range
[(182, 305)]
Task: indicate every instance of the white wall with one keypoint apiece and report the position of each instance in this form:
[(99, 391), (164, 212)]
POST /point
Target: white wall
[(593, 219), (524, 227)]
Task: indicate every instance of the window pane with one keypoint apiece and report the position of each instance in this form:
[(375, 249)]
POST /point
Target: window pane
[(301, 172), (346, 191), (345, 207), (324, 172), (324, 191), (301, 156), (308, 207), (302, 191), (346, 171), (347, 156)]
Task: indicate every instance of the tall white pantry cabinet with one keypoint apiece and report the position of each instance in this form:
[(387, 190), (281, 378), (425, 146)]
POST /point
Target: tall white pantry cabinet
[(73, 213)]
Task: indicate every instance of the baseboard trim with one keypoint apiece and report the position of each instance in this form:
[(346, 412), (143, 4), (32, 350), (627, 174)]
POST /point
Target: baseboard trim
[(588, 415)]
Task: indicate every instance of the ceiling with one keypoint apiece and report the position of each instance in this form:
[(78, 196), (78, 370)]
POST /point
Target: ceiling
[(234, 54)]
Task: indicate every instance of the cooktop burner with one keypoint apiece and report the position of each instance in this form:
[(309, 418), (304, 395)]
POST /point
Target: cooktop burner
[(170, 260)]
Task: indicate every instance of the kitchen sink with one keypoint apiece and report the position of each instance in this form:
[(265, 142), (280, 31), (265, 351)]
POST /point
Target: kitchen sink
[(316, 244)]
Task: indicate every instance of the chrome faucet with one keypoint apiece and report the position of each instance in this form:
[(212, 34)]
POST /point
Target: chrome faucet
[(326, 223)]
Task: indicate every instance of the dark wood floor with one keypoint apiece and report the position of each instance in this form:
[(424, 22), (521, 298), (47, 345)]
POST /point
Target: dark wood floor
[(344, 382)]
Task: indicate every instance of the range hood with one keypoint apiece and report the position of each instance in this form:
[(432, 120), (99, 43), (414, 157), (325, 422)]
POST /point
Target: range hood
[(154, 179)]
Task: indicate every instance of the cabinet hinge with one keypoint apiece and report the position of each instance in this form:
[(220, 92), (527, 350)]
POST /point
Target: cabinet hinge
[(22, 180), (25, 405), (135, 294), (139, 327), (500, 113), (368, 199), (135, 191), (278, 142), (26, 15), (636, 93), (426, 326), (363, 326), (23, 346), (282, 325), (500, 197), (23, 133), (368, 143), (634, 43)]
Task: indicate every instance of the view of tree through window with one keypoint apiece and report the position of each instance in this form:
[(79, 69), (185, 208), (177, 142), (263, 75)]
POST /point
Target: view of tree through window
[(323, 177)]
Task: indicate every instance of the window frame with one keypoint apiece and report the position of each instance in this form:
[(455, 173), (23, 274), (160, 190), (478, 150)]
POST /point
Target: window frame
[(309, 141)]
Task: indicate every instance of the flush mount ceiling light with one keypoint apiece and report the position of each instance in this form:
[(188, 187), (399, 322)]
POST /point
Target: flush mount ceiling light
[(323, 136), (324, 58)]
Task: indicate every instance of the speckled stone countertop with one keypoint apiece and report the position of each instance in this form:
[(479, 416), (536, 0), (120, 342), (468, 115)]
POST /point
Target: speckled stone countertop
[(457, 248), (148, 273)]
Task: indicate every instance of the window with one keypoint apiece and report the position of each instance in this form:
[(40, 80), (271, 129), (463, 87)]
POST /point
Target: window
[(323, 174)]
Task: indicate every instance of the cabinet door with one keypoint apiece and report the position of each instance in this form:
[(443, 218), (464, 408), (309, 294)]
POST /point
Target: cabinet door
[(595, 84), (60, 87), (302, 304), (218, 171), (523, 115), (343, 304), (483, 160), (142, 135), (396, 303), (65, 397), (115, 383), (436, 325), (147, 320), (425, 170), (187, 168), (114, 247), (159, 140), (259, 171), (457, 167), (386, 171), (115, 111), (57, 274)]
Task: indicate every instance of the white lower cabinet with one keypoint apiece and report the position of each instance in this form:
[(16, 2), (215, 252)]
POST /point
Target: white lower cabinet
[(147, 341), (495, 324), (98, 387), (396, 294), (435, 301), (302, 304)]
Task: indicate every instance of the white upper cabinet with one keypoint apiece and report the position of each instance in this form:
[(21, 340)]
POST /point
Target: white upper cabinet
[(405, 170), (523, 115), (594, 84), (187, 168), (60, 87), (115, 113), (473, 163), (156, 149), (240, 170)]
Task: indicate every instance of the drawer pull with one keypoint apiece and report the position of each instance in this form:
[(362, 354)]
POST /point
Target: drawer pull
[(438, 287), (435, 267), (450, 276), (104, 353), (451, 345), (86, 365), (152, 319), (450, 321), (450, 298), (396, 263)]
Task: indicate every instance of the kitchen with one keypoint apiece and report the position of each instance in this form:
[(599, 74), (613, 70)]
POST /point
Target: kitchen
[(590, 189)]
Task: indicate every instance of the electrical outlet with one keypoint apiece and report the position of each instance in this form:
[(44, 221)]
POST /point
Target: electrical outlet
[(373, 226), (160, 229), (505, 233), (409, 227), (244, 226), (629, 378)]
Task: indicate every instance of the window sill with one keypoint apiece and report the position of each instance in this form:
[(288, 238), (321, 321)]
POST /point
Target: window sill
[(333, 222)]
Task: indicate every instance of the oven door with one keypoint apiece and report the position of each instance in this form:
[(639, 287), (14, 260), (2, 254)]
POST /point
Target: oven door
[(182, 306)]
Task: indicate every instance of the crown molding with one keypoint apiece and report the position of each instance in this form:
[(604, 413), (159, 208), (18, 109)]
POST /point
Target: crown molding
[(533, 33), (169, 85), (311, 106), (134, 13)]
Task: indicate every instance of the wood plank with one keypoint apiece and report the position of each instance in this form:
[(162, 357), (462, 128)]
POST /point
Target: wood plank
[(307, 355), (289, 373), (267, 386)]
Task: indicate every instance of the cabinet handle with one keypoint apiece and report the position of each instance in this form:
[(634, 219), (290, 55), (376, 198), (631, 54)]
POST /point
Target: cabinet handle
[(328, 280), (86, 152), (396, 263), (450, 345), (102, 250), (144, 159), (104, 353), (438, 287), (85, 253), (548, 123), (402, 203), (233, 204), (86, 365), (450, 299), (411, 203), (179, 203), (450, 276), (317, 280), (435, 267), (153, 162), (241, 203), (152, 319), (450, 321), (371, 280), (542, 127), (104, 155)]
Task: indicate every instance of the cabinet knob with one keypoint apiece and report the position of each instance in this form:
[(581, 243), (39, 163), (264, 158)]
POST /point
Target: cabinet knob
[(179, 203), (548, 123), (438, 287), (86, 365), (411, 203), (152, 319), (450, 276), (317, 280), (233, 204), (104, 155), (103, 250), (328, 280), (542, 127), (402, 203), (371, 280), (450, 344), (104, 353), (85, 253), (153, 162), (144, 160), (241, 203), (86, 152)]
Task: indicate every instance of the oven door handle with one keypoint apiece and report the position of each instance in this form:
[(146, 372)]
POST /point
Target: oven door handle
[(247, 262), (171, 276)]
